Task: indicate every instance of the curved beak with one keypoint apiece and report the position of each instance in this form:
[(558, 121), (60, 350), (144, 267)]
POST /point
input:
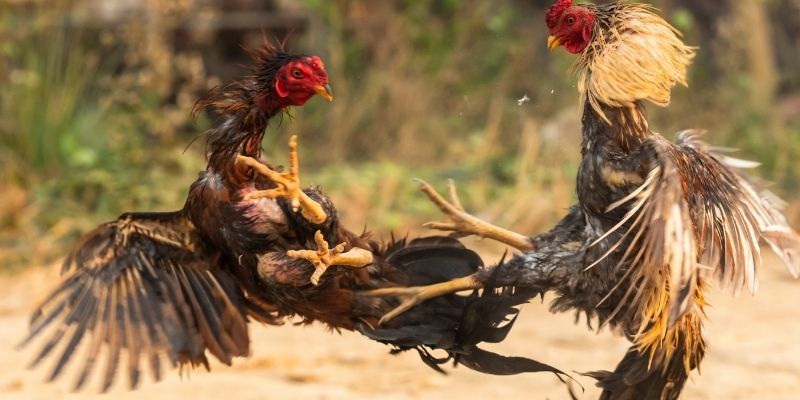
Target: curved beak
[(553, 42), (324, 91)]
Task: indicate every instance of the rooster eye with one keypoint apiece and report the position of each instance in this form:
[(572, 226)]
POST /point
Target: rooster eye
[(297, 74), (570, 20)]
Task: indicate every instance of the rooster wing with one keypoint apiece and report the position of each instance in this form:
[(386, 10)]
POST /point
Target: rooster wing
[(148, 284)]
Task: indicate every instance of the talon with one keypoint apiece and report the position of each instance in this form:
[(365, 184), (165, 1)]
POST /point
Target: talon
[(465, 224), (409, 297), (318, 271), (324, 257), (451, 187), (404, 306)]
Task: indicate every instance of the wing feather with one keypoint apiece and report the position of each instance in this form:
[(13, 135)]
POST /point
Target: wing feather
[(145, 285), (131, 325), (693, 217), (86, 309), (98, 333), (151, 332), (113, 340)]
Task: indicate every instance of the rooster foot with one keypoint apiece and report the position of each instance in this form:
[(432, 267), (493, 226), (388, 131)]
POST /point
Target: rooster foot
[(288, 185), (411, 296), (324, 257), (466, 224)]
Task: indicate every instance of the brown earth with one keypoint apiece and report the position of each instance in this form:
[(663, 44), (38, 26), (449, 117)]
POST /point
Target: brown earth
[(754, 354)]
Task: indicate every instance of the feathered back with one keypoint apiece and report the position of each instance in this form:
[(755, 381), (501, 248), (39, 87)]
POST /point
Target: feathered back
[(635, 55)]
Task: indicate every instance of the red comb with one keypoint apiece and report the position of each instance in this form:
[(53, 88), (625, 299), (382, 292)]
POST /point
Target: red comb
[(554, 12)]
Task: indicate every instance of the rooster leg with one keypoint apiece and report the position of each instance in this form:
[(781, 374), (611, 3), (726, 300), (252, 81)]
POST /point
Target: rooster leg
[(411, 296), (288, 185), (324, 257), (464, 223)]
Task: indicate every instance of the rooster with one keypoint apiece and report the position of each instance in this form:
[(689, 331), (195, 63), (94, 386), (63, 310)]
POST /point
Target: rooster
[(657, 222), (177, 286)]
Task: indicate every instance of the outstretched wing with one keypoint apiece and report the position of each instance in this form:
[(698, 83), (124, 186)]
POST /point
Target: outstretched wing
[(147, 284), (694, 217)]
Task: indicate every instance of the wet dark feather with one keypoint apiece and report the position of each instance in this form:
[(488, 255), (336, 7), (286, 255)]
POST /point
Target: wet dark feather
[(117, 291)]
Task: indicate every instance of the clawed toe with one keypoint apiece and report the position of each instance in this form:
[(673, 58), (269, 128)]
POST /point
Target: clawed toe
[(324, 257), (464, 224)]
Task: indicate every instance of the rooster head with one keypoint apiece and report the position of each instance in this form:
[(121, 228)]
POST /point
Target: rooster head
[(288, 80), (627, 52), (300, 79), (570, 26), (278, 80)]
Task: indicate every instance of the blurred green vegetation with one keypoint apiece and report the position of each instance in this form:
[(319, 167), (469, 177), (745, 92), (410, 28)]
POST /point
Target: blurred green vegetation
[(94, 116)]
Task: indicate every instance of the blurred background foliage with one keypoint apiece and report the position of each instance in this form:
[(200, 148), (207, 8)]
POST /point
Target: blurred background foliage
[(95, 98)]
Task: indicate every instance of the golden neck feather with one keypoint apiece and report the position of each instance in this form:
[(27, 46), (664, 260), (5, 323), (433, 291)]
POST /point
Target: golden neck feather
[(635, 55)]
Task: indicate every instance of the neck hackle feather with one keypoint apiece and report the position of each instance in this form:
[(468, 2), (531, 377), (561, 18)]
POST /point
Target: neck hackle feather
[(634, 55), (246, 106)]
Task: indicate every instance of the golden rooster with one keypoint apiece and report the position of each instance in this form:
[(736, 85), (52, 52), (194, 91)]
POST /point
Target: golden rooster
[(656, 222)]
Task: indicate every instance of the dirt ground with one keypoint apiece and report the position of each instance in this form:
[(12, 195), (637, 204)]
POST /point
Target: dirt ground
[(754, 354)]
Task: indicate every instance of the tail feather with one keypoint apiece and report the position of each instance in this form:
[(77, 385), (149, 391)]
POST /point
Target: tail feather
[(635, 379), (454, 323)]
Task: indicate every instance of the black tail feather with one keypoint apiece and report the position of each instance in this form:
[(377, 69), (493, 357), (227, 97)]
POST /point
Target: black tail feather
[(454, 323)]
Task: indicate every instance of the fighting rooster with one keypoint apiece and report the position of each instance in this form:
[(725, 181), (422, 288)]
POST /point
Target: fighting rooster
[(177, 285), (656, 223)]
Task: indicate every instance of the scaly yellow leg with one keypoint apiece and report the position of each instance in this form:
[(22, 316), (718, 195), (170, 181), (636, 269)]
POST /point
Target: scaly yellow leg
[(288, 185)]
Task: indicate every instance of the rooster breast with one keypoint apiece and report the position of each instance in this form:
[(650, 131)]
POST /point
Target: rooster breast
[(265, 214)]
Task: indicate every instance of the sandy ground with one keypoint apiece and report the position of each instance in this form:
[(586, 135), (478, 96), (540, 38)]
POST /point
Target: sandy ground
[(755, 354)]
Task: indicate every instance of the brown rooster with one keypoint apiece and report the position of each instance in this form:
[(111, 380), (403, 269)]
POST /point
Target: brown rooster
[(656, 222), (176, 285)]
